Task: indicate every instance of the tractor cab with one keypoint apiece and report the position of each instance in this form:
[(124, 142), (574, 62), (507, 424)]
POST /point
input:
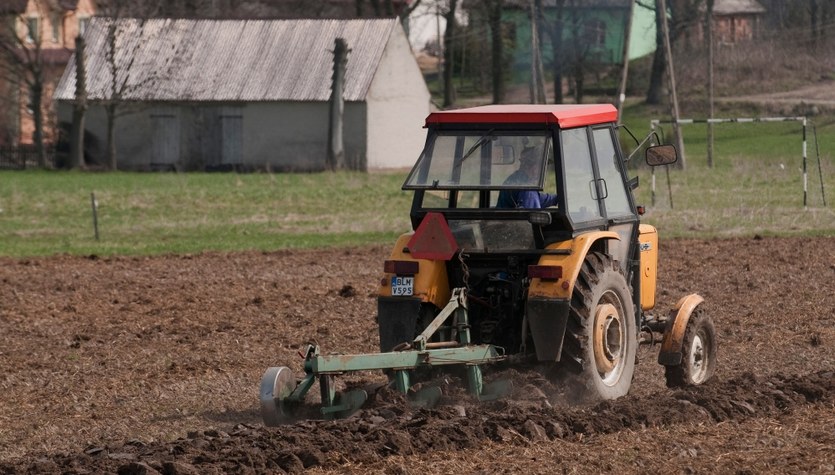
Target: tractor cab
[(522, 177)]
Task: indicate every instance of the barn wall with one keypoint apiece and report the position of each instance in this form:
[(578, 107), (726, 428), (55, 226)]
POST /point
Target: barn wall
[(293, 135), (398, 103), (133, 148), (283, 136)]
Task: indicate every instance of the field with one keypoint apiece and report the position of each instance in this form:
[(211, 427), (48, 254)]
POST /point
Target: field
[(144, 364), (142, 351)]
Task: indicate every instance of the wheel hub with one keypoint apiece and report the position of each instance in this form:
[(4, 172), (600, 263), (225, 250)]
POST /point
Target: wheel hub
[(698, 365), (608, 338)]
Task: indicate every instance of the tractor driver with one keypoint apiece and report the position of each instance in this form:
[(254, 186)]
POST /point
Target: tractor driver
[(529, 199)]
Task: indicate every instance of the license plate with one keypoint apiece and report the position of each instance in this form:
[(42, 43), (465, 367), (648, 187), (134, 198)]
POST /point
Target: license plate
[(402, 286)]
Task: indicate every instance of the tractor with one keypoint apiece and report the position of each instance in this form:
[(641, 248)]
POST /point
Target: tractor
[(551, 266)]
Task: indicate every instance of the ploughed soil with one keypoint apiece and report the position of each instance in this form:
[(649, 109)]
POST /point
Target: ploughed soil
[(152, 364)]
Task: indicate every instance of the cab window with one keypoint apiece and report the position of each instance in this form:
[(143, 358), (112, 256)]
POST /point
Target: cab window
[(579, 176), (615, 197)]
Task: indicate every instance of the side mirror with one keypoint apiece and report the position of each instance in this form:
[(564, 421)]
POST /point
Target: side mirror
[(661, 155)]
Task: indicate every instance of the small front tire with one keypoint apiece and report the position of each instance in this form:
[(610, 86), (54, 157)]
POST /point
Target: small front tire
[(698, 353)]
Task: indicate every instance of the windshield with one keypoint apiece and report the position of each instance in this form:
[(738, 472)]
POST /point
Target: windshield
[(469, 160)]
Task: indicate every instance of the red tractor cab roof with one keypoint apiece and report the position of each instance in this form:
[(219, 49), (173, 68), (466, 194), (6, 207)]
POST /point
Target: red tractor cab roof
[(564, 115)]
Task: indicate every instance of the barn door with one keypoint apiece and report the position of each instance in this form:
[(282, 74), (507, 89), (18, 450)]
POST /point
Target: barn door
[(231, 136), (165, 139)]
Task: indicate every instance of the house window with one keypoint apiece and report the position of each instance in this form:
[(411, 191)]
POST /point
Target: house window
[(31, 29), (56, 27), (594, 33), (30, 103)]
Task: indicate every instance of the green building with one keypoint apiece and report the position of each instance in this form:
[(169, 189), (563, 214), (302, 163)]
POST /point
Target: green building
[(593, 31)]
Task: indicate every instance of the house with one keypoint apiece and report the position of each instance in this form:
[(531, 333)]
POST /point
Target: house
[(736, 20), (43, 32), (598, 27), (249, 94)]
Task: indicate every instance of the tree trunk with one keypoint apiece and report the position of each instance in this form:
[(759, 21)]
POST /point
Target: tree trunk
[(579, 83), (375, 5), (709, 41), (449, 42), (494, 15), (79, 108), (537, 75), (578, 47), (814, 21), (37, 116), (557, 45), (656, 77)]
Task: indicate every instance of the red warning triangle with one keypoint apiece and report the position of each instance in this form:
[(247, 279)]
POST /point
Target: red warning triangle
[(433, 239)]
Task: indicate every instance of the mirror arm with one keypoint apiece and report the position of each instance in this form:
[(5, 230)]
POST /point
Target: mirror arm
[(648, 138)]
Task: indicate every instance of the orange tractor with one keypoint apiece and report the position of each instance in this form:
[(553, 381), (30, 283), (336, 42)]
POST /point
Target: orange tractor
[(528, 247)]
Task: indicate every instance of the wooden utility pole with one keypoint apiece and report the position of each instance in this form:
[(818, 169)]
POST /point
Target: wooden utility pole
[(440, 47), (662, 4), (709, 39), (627, 35), (79, 107), (336, 151)]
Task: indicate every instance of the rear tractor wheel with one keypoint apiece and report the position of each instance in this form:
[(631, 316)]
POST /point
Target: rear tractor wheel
[(698, 353), (601, 337)]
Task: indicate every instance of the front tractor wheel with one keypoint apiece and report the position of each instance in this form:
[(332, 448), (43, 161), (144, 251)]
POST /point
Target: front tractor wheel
[(698, 353), (601, 337)]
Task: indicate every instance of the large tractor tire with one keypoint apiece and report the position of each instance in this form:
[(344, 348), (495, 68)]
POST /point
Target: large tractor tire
[(698, 352), (601, 336)]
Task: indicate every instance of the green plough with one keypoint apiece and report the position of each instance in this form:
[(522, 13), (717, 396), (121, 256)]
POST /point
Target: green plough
[(281, 393)]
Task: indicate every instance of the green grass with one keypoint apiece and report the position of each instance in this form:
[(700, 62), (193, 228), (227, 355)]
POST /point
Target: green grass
[(50, 212), (755, 187)]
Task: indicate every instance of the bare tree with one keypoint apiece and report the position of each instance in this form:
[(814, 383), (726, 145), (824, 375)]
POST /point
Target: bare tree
[(571, 42), (556, 33), (120, 57), (449, 44), (406, 13), (23, 65), (684, 15), (659, 63), (493, 13)]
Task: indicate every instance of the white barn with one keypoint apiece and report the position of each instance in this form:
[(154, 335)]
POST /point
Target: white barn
[(249, 94)]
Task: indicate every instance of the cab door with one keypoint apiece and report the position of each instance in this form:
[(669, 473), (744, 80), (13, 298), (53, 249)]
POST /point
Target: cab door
[(595, 189), (615, 198)]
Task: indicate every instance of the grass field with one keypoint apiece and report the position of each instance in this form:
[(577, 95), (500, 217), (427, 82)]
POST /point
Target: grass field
[(51, 212), (755, 187)]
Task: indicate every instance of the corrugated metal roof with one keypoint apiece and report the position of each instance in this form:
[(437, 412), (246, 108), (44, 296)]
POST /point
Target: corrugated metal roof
[(526, 4), (730, 7), (229, 60)]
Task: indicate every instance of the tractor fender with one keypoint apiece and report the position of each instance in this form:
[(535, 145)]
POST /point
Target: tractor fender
[(431, 282), (570, 262), (671, 344)]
